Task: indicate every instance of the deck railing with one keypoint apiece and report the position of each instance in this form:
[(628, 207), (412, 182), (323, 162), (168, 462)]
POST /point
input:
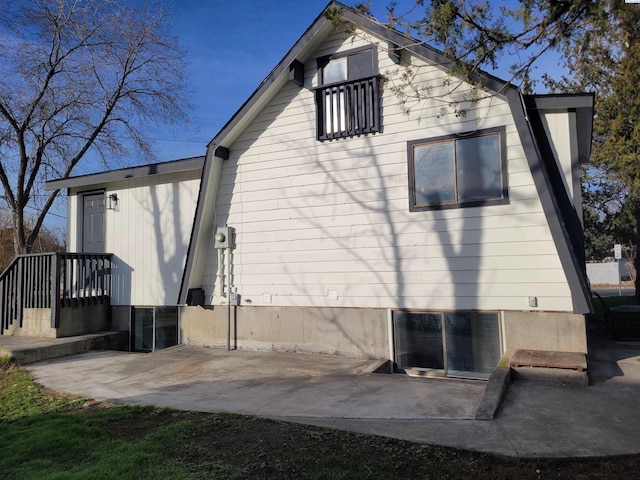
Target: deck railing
[(54, 281), (348, 109)]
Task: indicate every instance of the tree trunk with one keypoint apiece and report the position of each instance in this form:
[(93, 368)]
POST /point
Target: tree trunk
[(636, 260), (20, 245)]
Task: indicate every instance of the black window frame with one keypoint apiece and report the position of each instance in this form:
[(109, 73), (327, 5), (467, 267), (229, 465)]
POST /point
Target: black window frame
[(501, 200), (323, 61), (360, 92)]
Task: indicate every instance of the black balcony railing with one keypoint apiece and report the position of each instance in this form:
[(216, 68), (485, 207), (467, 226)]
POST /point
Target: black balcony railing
[(348, 109)]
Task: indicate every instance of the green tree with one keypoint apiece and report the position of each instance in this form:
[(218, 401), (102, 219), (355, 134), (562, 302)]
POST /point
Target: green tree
[(608, 216), (78, 78), (606, 59)]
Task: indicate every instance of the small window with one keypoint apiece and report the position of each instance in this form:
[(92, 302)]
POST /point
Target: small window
[(348, 98), (458, 170), (335, 71), (350, 66), (154, 328)]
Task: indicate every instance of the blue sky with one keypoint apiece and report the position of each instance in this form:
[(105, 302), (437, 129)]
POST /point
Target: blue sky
[(233, 45)]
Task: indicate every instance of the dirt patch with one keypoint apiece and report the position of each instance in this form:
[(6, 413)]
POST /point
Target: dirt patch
[(256, 448)]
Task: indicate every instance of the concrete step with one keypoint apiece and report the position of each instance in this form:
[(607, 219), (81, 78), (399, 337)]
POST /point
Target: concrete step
[(26, 350)]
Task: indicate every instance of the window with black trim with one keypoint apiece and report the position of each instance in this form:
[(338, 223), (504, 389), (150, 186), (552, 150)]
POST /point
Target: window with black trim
[(348, 98), (458, 170)]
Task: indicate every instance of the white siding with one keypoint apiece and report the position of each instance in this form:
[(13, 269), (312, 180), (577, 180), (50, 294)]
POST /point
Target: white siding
[(149, 236), (560, 127), (316, 216)]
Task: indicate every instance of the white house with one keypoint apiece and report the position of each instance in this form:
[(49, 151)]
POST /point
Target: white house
[(143, 216), (332, 217)]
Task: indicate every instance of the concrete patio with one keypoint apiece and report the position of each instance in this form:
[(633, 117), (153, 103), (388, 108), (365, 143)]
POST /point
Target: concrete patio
[(537, 419)]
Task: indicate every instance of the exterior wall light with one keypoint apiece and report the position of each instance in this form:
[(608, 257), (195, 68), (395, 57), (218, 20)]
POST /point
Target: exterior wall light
[(112, 203)]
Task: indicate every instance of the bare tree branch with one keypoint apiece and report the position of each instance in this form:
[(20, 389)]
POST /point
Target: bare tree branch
[(78, 78)]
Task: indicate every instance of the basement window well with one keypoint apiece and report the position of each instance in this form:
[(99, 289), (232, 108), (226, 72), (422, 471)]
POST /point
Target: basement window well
[(153, 328), (453, 344)]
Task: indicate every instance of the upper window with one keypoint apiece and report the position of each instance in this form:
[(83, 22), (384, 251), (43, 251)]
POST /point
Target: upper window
[(353, 65), (458, 170), (347, 100)]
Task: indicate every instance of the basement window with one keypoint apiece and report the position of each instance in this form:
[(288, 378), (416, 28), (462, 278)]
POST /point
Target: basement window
[(455, 344), (153, 328)]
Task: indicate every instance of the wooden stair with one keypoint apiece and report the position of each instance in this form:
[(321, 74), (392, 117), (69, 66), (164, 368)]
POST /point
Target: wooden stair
[(562, 367)]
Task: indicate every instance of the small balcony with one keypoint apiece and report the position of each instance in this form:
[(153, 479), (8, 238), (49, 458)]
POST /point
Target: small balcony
[(348, 109)]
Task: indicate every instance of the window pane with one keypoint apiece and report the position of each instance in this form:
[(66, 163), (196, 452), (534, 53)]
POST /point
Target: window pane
[(434, 175), (361, 65), (166, 327), (478, 168), (473, 342), (335, 71), (335, 110), (142, 329), (418, 340)]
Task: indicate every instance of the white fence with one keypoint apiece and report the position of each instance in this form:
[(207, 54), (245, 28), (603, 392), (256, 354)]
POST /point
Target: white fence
[(609, 273)]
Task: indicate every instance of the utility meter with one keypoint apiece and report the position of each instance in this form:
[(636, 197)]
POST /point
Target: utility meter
[(223, 237)]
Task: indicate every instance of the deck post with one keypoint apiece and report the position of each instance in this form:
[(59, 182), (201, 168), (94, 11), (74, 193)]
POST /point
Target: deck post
[(55, 291), (20, 285)]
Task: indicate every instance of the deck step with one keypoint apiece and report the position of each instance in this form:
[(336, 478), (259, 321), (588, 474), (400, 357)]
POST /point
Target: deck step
[(560, 367), (542, 358)]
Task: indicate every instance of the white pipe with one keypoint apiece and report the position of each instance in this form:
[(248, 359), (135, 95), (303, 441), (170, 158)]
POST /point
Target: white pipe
[(392, 348), (221, 271), (228, 298)]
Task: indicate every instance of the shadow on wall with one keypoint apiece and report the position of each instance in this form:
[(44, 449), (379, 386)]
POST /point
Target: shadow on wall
[(121, 277)]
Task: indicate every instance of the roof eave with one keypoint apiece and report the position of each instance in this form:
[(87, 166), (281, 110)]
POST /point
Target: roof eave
[(172, 167), (582, 104)]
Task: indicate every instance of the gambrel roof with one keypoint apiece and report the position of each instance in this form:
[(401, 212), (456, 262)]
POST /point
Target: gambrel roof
[(563, 220)]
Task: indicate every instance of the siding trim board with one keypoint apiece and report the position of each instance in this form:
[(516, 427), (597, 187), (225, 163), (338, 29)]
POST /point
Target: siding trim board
[(209, 185), (536, 147)]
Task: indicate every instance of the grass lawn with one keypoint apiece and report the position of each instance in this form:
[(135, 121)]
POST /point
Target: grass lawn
[(613, 301), (47, 435)]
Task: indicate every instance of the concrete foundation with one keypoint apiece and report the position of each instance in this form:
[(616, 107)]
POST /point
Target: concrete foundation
[(74, 320), (552, 331), (82, 319), (36, 322), (121, 318), (349, 332), (355, 332)]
